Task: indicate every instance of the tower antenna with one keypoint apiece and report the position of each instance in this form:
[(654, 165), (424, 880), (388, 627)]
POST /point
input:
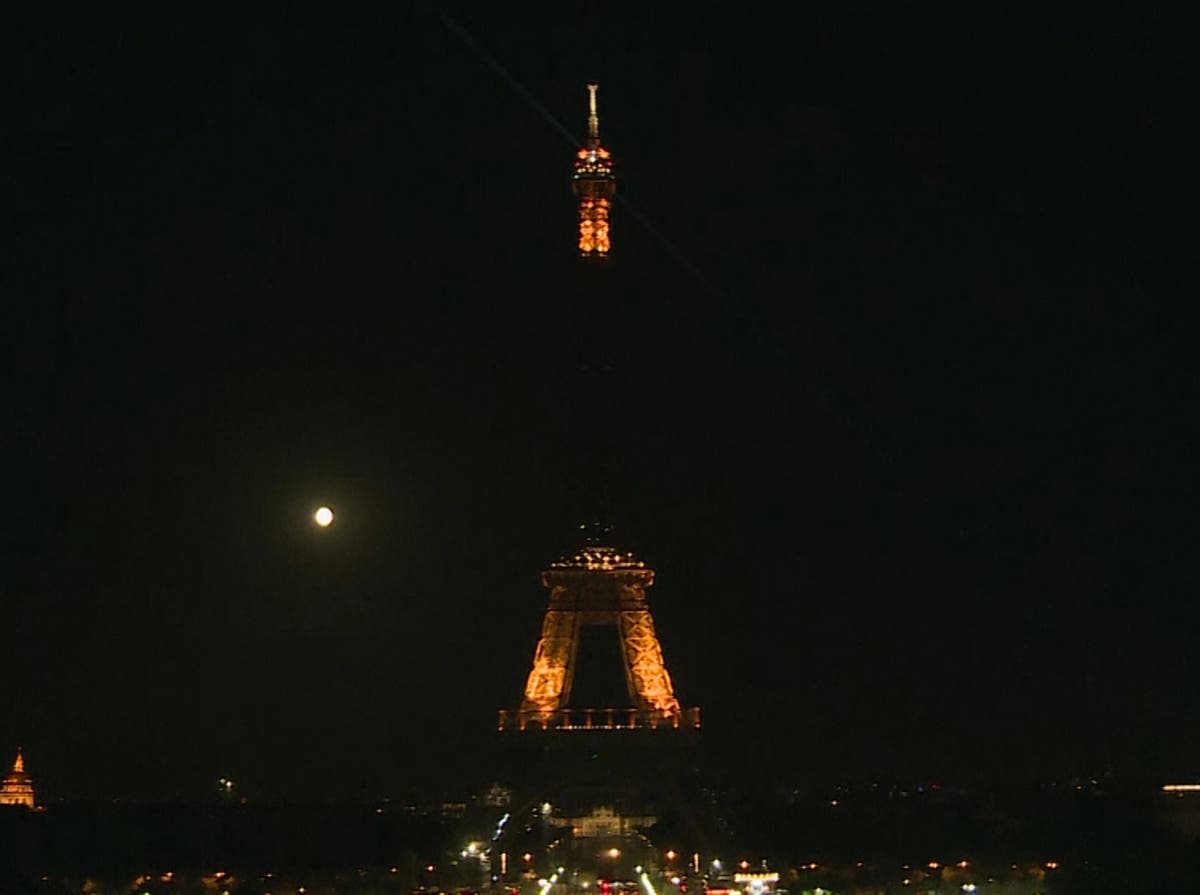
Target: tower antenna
[(593, 117)]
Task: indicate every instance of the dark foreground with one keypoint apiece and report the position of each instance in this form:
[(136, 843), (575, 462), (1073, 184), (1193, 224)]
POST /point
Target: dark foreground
[(1063, 839)]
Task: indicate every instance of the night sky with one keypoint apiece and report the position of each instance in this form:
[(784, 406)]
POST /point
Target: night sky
[(891, 377)]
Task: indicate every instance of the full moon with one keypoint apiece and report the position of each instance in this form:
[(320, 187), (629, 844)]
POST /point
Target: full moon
[(323, 517)]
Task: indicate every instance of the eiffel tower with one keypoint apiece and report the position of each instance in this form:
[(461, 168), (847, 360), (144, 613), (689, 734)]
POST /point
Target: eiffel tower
[(611, 774), (598, 585), (586, 781)]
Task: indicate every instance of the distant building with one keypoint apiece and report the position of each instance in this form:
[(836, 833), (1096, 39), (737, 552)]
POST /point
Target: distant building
[(763, 883), (603, 822), (17, 788), (454, 810)]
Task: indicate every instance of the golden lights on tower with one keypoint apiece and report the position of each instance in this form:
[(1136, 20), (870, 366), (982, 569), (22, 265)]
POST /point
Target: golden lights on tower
[(594, 186), (598, 585), (17, 788)]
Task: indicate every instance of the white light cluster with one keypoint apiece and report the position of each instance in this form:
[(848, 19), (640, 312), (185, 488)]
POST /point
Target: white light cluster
[(547, 883)]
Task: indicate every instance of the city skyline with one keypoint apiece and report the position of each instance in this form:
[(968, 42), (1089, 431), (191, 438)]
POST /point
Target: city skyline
[(882, 377)]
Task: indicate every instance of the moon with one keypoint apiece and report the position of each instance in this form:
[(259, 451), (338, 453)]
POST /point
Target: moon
[(323, 517)]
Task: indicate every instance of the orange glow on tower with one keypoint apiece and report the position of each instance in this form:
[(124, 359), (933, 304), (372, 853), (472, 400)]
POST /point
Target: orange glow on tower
[(594, 186), (17, 788), (606, 586)]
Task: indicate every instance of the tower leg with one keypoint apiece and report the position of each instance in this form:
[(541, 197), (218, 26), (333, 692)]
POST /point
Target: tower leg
[(548, 687), (649, 683)]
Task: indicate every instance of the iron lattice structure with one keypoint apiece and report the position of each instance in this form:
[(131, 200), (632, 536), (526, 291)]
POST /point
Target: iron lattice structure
[(594, 186), (599, 585)]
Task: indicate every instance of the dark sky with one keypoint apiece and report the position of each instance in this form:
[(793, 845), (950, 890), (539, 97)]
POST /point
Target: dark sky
[(891, 377)]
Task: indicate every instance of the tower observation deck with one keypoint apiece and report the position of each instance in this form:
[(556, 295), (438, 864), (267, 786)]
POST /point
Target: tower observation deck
[(594, 185)]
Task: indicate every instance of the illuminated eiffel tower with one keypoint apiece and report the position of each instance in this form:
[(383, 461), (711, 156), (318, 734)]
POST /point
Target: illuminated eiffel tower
[(624, 769), (598, 585), (590, 780)]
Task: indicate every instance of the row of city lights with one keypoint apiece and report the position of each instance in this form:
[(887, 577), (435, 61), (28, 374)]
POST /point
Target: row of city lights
[(717, 865), (477, 849), (473, 849)]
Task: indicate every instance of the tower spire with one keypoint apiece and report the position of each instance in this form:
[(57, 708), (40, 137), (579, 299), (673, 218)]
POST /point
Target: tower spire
[(593, 117), (19, 764), (594, 186)]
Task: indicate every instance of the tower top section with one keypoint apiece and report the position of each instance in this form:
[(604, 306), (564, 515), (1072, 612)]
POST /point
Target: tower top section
[(594, 185), (19, 762), (593, 117), (599, 558), (594, 162)]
